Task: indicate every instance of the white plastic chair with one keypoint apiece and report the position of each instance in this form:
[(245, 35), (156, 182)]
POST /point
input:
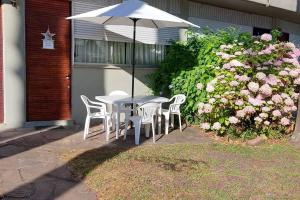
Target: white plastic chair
[(148, 115), (174, 109), (99, 114)]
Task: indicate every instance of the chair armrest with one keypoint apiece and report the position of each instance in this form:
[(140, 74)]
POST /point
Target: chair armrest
[(97, 107), (98, 103), (171, 99)]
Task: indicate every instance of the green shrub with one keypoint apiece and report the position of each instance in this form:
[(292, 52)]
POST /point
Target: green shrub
[(189, 63)]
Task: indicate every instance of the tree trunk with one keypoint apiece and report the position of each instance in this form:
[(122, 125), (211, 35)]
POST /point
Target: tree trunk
[(296, 136)]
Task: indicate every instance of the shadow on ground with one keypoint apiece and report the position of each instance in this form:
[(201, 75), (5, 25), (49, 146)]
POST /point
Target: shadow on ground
[(30, 168)]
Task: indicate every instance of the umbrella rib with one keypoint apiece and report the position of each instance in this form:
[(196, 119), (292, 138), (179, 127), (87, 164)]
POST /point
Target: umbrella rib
[(107, 20), (154, 23)]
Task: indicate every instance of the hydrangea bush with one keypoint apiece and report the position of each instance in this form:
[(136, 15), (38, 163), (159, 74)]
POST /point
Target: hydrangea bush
[(254, 90)]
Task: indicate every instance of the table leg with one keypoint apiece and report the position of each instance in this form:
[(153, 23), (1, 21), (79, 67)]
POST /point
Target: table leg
[(117, 121), (159, 118)]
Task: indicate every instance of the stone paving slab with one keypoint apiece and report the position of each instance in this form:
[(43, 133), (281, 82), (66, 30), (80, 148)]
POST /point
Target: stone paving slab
[(31, 169)]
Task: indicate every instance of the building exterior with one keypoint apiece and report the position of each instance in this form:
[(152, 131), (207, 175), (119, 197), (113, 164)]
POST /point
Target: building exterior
[(40, 86)]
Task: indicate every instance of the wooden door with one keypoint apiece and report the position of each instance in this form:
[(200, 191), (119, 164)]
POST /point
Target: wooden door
[(48, 72)]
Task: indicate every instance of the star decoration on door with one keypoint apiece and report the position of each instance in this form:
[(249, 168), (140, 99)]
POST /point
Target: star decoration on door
[(48, 42), (48, 35)]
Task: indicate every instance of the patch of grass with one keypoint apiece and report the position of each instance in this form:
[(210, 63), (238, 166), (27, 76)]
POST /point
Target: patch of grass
[(182, 171)]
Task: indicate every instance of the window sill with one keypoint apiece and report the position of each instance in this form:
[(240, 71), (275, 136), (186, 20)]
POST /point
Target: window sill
[(111, 66)]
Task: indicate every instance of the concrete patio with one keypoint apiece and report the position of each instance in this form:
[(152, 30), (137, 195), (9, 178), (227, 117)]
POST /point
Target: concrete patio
[(31, 168)]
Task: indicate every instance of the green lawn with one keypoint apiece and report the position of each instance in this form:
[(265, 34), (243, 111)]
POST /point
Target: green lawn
[(210, 171)]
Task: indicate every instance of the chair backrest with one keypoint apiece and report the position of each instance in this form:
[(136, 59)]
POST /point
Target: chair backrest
[(178, 100), (148, 110), (118, 93), (88, 104)]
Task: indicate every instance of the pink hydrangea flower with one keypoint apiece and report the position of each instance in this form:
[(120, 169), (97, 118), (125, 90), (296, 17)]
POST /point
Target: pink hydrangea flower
[(238, 53), (236, 63), (287, 109), (205, 126), (290, 45), (207, 108), (249, 110), (240, 113), (295, 96), (199, 86), (244, 78), (284, 95), (294, 73), (261, 76), (255, 101), (253, 87), (276, 113), (226, 66), (277, 98), (283, 73), (258, 119), (285, 121), (267, 123), (234, 83), (233, 120), (263, 115), (289, 102), (245, 92), (224, 100), (212, 100), (296, 51), (239, 102), (216, 126), (210, 88), (278, 63), (266, 90), (266, 37), (266, 109), (225, 56), (297, 81), (272, 80)]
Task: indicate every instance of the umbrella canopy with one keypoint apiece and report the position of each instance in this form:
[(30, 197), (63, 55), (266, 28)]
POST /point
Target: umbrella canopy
[(133, 13)]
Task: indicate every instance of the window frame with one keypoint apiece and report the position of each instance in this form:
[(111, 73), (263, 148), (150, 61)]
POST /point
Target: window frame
[(112, 65)]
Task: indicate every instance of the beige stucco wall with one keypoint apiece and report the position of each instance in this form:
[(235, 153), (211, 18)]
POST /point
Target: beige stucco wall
[(14, 65), (101, 80)]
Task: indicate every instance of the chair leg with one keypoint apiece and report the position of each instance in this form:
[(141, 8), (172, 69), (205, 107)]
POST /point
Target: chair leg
[(147, 130), (179, 116), (126, 127), (113, 122), (86, 127), (107, 121), (137, 131), (104, 125), (167, 124), (153, 130), (172, 121)]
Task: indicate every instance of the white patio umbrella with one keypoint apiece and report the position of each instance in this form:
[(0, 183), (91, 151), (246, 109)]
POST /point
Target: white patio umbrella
[(133, 13)]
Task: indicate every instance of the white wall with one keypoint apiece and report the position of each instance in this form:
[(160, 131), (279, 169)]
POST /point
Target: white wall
[(101, 80), (14, 65)]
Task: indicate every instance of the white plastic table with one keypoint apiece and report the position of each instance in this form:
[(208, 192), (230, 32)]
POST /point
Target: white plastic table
[(121, 100)]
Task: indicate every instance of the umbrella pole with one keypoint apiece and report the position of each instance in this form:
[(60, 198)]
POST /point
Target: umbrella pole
[(133, 55), (133, 60)]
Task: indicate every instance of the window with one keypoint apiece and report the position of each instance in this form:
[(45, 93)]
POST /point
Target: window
[(107, 52), (284, 37)]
